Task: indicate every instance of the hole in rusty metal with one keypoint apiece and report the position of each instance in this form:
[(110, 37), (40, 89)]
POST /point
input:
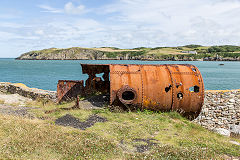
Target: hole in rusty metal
[(128, 95), (178, 84), (180, 95), (168, 88), (100, 75), (194, 69), (194, 89)]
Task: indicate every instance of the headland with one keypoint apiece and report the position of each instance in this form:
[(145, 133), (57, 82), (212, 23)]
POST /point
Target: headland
[(181, 53)]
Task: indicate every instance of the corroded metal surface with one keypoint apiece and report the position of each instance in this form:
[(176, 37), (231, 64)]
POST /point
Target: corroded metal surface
[(68, 89), (159, 87), (168, 87)]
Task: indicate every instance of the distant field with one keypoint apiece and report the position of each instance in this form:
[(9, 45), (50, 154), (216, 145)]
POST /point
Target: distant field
[(113, 50), (165, 51)]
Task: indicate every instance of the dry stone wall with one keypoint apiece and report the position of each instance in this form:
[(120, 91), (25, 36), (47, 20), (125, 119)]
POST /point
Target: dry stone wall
[(221, 110), (23, 90)]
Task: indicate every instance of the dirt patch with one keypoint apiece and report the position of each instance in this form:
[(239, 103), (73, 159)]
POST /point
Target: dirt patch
[(13, 99), (145, 147), (95, 102), (69, 120), (139, 145)]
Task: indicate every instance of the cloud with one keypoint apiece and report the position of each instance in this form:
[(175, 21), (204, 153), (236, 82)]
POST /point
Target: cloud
[(69, 8), (13, 25), (50, 9), (39, 32), (5, 36), (199, 21), (128, 24)]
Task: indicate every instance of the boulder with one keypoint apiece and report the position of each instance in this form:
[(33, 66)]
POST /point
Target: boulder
[(235, 130), (222, 131)]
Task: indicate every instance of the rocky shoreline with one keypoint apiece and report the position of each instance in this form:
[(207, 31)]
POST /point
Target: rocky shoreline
[(220, 112), (144, 59)]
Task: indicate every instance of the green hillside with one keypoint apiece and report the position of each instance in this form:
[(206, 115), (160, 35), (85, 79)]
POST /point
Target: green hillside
[(188, 52)]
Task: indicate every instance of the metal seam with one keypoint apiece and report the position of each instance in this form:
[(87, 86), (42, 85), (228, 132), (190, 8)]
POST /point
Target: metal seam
[(142, 90), (186, 73), (124, 72), (110, 86), (170, 73)]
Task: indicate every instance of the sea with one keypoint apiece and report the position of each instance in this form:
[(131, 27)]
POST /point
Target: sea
[(44, 74)]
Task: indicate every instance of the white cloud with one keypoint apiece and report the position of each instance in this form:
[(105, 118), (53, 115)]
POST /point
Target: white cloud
[(5, 36), (13, 25), (39, 32), (8, 36), (50, 9), (197, 21), (129, 24), (69, 8)]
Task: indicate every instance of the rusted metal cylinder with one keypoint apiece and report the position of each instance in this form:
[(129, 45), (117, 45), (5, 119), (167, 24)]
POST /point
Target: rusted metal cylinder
[(168, 87), (158, 87)]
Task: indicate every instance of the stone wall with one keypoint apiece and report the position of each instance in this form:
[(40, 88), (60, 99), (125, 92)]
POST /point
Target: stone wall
[(221, 110), (23, 90)]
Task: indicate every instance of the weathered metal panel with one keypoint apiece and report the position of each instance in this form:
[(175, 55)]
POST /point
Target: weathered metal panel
[(184, 78), (157, 87), (69, 89), (123, 77)]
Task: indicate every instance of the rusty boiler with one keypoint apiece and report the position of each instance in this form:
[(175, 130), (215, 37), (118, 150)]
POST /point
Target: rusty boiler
[(168, 87)]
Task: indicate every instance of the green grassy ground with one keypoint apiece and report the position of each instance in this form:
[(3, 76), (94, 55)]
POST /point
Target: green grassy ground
[(169, 137)]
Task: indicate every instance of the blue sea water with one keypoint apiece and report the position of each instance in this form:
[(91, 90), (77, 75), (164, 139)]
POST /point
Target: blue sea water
[(45, 74)]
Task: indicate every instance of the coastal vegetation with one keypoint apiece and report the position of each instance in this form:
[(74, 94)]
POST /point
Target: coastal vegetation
[(188, 52), (30, 129), (125, 135)]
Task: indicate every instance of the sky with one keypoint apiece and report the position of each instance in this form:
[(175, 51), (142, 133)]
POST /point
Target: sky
[(27, 25)]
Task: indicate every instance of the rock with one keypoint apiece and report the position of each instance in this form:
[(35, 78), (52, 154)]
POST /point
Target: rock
[(222, 131), (232, 100), (235, 130), (230, 106), (205, 110), (23, 90), (234, 142)]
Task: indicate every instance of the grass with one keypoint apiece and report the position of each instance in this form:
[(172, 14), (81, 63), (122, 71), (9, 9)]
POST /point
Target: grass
[(36, 139), (2, 101), (175, 136), (109, 49), (165, 51)]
